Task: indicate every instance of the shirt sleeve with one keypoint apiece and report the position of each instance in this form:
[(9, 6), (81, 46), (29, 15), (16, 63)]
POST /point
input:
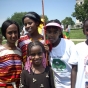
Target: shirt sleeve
[(73, 60)]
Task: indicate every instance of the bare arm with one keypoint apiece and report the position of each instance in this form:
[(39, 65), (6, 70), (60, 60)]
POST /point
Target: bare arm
[(73, 75)]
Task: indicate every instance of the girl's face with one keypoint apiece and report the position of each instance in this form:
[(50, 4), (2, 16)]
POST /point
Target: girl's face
[(12, 33), (53, 33), (86, 29), (30, 25), (36, 55)]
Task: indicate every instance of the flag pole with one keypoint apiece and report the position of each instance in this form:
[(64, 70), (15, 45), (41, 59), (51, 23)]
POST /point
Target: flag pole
[(43, 11), (44, 31)]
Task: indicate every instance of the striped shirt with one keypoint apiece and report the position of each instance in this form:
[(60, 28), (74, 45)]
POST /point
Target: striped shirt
[(10, 65)]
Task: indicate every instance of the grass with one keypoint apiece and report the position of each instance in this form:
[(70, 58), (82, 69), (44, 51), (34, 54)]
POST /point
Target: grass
[(77, 34), (74, 34)]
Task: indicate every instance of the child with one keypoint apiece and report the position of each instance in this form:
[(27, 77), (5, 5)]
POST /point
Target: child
[(10, 56), (60, 53), (37, 75), (31, 22), (80, 65), (0, 39)]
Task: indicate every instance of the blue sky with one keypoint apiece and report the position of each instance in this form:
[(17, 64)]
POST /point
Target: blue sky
[(54, 9)]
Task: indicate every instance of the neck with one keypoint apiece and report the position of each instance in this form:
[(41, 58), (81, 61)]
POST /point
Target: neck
[(10, 45), (37, 69), (56, 43), (35, 36), (35, 33)]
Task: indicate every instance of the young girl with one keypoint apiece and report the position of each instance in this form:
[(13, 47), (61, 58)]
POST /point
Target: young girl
[(80, 65), (60, 53), (10, 56), (37, 75), (31, 22)]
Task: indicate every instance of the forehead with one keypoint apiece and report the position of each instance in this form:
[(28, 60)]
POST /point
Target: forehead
[(36, 48), (27, 19), (12, 27), (52, 28)]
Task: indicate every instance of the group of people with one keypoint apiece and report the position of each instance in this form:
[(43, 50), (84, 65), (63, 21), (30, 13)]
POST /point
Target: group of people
[(33, 63)]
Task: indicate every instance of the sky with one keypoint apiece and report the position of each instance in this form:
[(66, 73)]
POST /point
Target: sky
[(54, 9)]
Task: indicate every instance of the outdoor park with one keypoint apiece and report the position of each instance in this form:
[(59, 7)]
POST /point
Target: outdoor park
[(76, 33)]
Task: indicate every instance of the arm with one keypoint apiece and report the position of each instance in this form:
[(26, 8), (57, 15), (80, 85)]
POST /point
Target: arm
[(52, 79), (73, 75)]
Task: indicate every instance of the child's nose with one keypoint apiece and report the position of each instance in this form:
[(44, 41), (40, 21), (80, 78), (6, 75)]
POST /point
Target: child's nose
[(36, 56)]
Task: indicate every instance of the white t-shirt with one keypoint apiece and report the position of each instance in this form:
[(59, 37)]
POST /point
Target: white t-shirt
[(82, 62), (59, 57)]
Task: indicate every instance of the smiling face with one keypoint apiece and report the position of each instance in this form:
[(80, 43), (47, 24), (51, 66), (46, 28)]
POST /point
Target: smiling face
[(12, 34), (53, 33), (36, 55), (30, 25)]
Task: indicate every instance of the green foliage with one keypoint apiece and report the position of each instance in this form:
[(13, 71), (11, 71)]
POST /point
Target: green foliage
[(81, 11), (18, 17), (68, 21)]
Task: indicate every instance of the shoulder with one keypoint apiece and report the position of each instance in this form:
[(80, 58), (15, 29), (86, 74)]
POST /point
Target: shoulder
[(2, 48), (80, 45), (24, 72), (67, 41), (22, 38)]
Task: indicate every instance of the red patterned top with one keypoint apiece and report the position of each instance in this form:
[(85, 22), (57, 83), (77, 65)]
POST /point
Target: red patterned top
[(10, 65), (22, 44)]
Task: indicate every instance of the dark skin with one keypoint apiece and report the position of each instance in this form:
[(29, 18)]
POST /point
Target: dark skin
[(36, 56), (73, 75), (11, 36), (32, 28), (53, 34)]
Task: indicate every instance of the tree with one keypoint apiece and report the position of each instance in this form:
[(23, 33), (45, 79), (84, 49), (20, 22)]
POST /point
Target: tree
[(68, 21), (81, 11), (18, 17)]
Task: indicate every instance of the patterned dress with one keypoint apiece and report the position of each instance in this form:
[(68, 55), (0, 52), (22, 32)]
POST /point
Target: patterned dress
[(23, 43), (10, 66)]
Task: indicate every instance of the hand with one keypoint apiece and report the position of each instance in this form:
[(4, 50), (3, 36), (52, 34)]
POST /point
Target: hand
[(46, 48)]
